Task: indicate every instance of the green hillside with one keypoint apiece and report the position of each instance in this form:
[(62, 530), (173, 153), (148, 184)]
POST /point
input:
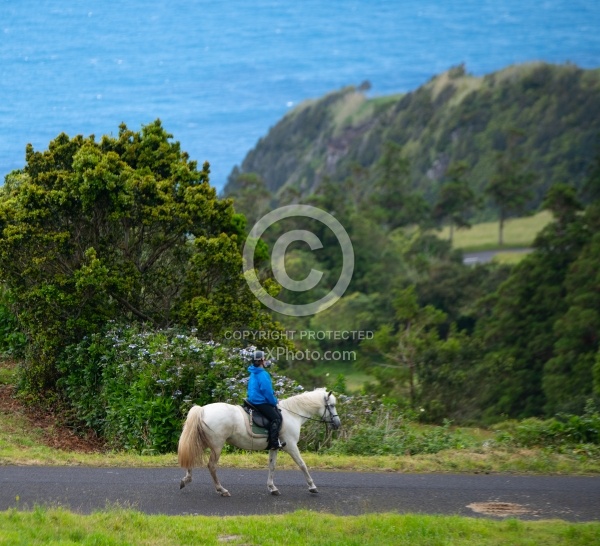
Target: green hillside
[(515, 338), (555, 110)]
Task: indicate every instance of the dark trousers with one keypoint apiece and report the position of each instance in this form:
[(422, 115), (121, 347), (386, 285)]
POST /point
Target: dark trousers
[(274, 417)]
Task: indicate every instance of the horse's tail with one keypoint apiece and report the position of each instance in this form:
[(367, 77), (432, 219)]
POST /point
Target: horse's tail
[(193, 440)]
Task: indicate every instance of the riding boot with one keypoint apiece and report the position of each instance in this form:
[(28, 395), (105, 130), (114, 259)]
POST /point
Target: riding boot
[(274, 442)]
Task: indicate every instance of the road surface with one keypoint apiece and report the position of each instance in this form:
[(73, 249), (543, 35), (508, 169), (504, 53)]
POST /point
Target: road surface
[(486, 256), (156, 491)]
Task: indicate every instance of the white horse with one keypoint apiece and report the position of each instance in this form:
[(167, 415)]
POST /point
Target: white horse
[(214, 425)]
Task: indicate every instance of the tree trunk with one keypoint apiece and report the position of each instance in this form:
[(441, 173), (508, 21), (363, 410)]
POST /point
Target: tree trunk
[(411, 372)]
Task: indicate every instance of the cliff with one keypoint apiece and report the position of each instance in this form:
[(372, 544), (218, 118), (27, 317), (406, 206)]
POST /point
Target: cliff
[(453, 117)]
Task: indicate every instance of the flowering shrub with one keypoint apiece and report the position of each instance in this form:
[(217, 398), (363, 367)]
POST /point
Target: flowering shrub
[(134, 386)]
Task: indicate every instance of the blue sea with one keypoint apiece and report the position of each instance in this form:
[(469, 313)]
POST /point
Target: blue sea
[(220, 74)]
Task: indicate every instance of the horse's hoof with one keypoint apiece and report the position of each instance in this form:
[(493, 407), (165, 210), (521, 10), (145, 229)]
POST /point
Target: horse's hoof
[(313, 490), (181, 484), (225, 494), (275, 492)]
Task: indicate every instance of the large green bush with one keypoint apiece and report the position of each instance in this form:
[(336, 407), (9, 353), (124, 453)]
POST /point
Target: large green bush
[(127, 228), (563, 433)]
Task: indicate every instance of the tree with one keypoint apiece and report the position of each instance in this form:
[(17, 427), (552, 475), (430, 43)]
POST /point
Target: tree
[(122, 229), (561, 201), (591, 186), (510, 188), (519, 334), (251, 197), (396, 202), (456, 199), (449, 378), (568, 375), (402, 344), (290, 195)]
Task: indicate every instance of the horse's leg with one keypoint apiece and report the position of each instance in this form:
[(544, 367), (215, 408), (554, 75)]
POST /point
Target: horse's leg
[(186, 479), (212, 467), (294, 452), (272, 463)]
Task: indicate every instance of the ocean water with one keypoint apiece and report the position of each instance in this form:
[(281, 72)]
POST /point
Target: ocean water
[(220, 74)]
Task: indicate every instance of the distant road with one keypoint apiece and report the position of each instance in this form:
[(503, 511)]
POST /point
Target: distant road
[(485, 256), (156, 491)]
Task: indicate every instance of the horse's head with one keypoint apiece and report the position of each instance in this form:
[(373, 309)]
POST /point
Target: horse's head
[(311, 403), (330, 415)]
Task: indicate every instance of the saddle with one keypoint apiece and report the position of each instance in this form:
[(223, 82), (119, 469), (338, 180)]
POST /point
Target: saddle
[(259, 422)]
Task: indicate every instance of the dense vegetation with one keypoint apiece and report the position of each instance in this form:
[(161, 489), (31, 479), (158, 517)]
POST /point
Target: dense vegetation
[(464, 343), (126, 228), (134, 386), (122, 276), (470, 344)]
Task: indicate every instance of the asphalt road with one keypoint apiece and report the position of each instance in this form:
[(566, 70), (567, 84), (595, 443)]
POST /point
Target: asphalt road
[(156, 491), (486, 256)]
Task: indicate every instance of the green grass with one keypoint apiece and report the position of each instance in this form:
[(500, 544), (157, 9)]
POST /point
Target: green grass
[(509, 258), (118, 526), (355, 379), (518, 233), (7, 375)]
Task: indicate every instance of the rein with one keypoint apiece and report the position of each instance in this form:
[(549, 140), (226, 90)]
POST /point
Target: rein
[(305, 417)]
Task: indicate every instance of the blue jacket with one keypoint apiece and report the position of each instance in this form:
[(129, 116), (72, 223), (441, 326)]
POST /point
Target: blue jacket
[(260, 388)]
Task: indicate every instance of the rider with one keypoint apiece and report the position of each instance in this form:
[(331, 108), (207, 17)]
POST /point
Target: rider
[(260, 395)]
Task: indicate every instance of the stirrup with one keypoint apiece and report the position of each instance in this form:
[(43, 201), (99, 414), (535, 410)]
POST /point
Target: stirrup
[(278, 446)]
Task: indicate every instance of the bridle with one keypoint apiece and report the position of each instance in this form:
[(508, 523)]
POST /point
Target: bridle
[(328, 410)]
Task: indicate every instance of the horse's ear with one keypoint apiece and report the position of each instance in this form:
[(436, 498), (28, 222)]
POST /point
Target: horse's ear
[(329, 394)]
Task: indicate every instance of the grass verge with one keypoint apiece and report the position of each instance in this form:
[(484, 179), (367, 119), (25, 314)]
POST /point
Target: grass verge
[(22, 445), (117, 526)]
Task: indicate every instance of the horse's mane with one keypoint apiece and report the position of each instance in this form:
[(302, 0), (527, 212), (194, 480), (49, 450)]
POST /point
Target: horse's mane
[(306, 401)]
